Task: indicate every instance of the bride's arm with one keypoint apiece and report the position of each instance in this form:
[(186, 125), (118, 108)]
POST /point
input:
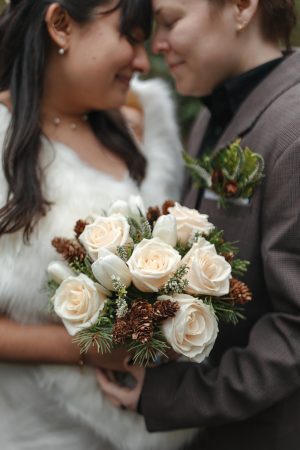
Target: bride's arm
[(49, 343)]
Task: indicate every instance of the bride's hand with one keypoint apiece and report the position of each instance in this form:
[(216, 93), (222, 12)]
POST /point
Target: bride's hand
[(121, 396), (110, 361)]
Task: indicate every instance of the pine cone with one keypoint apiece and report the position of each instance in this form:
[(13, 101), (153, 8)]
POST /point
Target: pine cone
[(70, 249), (228, 256), (153, 214), (239, 292), (163, 309), (141, 309), (165, 207), (141, 318), (79, 227), (142, 329), (122, 329)]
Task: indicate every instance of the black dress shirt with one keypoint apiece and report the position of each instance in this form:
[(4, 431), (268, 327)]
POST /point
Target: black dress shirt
[(226, 99)]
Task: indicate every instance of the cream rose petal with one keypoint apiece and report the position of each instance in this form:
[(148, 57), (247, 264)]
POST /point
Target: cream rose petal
[(109, 265), (134, 207), (166, 229)]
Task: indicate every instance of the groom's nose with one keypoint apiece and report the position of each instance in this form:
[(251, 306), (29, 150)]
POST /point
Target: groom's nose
[(159, 43)]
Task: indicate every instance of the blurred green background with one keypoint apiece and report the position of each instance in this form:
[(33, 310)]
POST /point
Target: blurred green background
[(187, 107)]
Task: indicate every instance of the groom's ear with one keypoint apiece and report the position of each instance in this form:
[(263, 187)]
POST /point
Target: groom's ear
[(244, 12), (58, 24)]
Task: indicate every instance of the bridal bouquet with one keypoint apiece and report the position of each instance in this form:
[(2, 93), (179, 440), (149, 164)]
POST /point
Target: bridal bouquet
[(147, 280)]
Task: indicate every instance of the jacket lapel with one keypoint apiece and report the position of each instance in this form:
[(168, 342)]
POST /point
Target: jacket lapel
[(261, 98), (189, 192)]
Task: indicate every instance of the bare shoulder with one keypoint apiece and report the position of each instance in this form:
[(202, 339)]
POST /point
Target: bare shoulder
[(6, 99)]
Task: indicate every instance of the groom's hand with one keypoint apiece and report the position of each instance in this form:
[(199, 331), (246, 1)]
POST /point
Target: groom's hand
[(120, 395)]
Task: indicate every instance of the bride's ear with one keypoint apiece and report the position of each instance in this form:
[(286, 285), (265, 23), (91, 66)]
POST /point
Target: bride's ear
[(244, 12), (58, 24)]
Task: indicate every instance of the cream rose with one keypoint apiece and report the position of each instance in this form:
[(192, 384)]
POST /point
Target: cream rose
[(78, 302), (193, 330), (151, 264), (209, 273), (189, 221), (105, 232)]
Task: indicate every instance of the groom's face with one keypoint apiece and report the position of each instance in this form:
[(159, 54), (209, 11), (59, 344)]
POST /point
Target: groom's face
[(197, 40)]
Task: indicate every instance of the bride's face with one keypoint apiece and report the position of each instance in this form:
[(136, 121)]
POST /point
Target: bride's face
[(198, 41), (99, 62)]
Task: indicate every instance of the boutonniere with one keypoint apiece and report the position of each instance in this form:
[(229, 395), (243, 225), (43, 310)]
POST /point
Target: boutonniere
[(232, 173)]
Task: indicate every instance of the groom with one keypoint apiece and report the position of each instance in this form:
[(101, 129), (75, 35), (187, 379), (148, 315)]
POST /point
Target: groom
[(228, 52)]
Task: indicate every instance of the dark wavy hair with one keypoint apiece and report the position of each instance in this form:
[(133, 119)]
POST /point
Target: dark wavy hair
[(24, 44)]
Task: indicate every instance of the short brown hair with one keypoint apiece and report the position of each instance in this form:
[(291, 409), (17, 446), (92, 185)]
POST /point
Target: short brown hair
[(279, 17)]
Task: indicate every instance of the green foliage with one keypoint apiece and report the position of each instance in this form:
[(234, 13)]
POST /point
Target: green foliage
[(225, 310), (223, 247), (139, 229), (121, 297), (124, 252), (145, 354), (239, 266), (176, 283), (84, 267), (51, 288), (99, 335)]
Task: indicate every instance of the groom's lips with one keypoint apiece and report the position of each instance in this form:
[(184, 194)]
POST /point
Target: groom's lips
[(175, 65)]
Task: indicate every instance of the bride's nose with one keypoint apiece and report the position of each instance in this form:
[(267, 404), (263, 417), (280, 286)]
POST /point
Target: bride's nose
[(141, 61)]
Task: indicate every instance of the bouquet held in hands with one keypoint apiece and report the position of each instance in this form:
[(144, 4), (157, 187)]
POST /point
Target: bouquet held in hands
[(147, 280)]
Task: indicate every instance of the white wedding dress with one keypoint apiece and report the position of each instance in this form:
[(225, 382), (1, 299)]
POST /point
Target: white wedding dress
[(50, 407)]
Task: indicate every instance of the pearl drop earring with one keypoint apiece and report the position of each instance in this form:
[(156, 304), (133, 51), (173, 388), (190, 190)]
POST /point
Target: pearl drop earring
[(61, 51)]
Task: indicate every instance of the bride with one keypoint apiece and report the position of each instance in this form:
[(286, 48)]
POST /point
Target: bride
[(65, 70)]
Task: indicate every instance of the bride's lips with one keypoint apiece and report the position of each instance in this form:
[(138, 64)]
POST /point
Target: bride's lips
[(124, 78)]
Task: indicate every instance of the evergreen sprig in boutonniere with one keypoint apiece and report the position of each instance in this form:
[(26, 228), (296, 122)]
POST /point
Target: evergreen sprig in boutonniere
[(233, 173)]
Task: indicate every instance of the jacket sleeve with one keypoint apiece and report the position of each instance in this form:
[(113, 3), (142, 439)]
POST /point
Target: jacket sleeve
[(248, 380)]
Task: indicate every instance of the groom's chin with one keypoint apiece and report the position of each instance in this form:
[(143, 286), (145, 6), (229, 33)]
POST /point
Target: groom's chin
[(189, 89)]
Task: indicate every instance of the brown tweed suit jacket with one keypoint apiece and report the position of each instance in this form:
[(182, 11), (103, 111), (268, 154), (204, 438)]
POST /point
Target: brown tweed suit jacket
[(250, 397)]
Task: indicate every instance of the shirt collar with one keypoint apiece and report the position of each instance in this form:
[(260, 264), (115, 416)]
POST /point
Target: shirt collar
[(226, 99)]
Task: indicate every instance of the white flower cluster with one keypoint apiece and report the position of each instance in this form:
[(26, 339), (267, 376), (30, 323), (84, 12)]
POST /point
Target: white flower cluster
[(193, 330)]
